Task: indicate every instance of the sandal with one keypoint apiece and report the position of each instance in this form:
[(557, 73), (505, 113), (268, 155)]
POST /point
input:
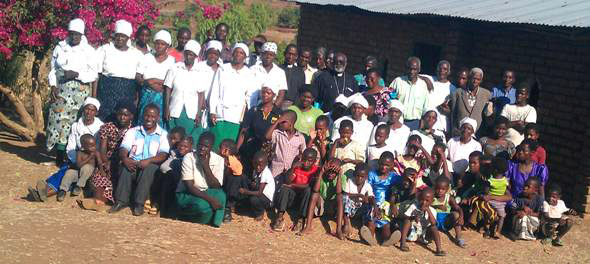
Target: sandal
[(404, 248), (153, 209), (394, 238), (279, 226), (557, 243), (34, 194), (461, 243), (440, 253)]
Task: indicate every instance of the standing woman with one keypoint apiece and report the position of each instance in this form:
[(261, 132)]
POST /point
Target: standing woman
[(377, 91), (71, 76), (183, 35), (142, 36), (229, 95), (151, 73), (207, 70), (184, 98), (117, 65)]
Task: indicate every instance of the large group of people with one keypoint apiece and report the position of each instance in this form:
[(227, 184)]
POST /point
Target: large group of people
[(196, 132)]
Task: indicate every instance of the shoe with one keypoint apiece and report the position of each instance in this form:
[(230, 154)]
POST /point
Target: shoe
[(279, 225), (557, 243), (227, 216), (138, 211), (546, 241), (76, 191), (33, 195), (117, 207), (394, 238), (61, 195), (42, 190), (368, 237)]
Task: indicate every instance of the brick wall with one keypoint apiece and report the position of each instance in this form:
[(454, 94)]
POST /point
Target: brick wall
[(559, 58)]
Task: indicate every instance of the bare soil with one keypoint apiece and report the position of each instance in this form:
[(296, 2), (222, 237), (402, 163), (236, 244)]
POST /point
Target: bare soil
[(55, 232)]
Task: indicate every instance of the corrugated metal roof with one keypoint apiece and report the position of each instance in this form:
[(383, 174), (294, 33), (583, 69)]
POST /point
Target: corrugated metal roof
[(570, 13)]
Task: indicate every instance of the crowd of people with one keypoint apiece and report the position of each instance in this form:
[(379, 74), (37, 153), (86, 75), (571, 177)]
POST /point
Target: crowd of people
[(199, 132)]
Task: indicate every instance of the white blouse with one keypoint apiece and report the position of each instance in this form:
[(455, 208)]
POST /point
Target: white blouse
[(185, 89), (79, 58), (361, 130), (113, 62), (79, 129), (230, 93), (150, 68)]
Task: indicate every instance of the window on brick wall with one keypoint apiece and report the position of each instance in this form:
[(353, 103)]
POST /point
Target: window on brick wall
[(429, 56)]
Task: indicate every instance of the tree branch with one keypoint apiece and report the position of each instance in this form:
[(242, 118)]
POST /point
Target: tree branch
[(20, 130), (19, 107)]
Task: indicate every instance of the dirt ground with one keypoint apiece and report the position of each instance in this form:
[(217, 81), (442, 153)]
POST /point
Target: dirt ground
[(55, 232)]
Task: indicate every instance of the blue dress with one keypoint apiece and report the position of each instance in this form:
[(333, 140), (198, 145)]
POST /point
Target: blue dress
[(382, 190)]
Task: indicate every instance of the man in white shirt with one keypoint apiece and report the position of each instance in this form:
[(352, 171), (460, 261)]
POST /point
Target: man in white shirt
[(269, 73), (438, 98), (519, 115), (303, 62), (229, 96)]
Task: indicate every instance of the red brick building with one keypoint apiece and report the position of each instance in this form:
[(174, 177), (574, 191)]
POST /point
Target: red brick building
[(544, 41)]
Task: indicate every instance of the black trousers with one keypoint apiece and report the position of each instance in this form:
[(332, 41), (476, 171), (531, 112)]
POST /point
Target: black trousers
[(142, 178), (231, 187), (258, 204), (287, 198)]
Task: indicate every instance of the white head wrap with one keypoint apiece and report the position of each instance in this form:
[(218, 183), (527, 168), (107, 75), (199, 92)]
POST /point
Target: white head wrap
[(92, 101), (163, 35), (270, 46), (123, 27), (193, 46), (358, 98), (397, 105), (470, 121), (242, 46), (77, 25), (269, 85), (214, 44), (342, 99)]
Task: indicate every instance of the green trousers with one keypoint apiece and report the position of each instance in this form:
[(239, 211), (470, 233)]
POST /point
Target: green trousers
[(197, 210)]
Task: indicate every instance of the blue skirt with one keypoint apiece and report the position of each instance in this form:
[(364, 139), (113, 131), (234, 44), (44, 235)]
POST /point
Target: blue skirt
[(149, 96), (111, 92)]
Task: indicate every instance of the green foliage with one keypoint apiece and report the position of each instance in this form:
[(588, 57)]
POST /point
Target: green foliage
[(289, 17)]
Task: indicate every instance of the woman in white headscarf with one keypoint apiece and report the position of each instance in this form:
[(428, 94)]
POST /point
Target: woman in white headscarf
[(117, 63), (460, 147), (151, 73), (398, 133), (71, 77)]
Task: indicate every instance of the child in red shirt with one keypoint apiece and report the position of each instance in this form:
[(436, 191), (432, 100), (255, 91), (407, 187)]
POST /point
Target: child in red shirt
[(296, 189), (538, 154)]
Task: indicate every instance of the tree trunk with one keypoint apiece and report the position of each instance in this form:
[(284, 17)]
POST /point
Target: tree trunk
[(36, 97), (28, 129)]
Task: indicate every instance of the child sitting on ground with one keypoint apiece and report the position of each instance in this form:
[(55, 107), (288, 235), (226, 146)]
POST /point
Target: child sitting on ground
[(403, 193), (441, 166), (448, 213), (374, 151), (538, 153), (87, 157), (555, 222), (171, 174), (232, 177), (320, 138), (327, 196), (528, 208), (350, 152), (379, 218), (412, 159), (296, 190), (358, 197), (420, 221), (498, 185), (287, 143), (260, 189)]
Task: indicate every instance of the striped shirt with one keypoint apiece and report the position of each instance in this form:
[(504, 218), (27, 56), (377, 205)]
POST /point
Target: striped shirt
[(285, 150)]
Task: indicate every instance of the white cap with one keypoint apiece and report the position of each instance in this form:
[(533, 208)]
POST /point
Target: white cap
[(242, 46), (163, 35), (214, 44), (469, 121), (269, 46), (358, 98), (269, 85), (397, 105), (92, 101), (123, 27), (77, 25), (193, 46)]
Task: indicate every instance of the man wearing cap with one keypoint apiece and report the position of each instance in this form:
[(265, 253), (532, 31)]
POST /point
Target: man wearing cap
[(117, 65), (185, 98), (87, 124), (229, 96), (469, 102), (398, 132), (362, 127), (460, 147), (333, 82), (295, 75), (412, 91), (71, 77), (269, 73), (151, 72)]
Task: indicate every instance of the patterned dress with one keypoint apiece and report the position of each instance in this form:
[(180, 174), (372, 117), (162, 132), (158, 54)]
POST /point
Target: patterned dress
[(102, 179), (382, 102)]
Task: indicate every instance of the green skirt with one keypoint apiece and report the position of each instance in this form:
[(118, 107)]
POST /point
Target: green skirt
[(188, 124), (224, 130), (194, 209)]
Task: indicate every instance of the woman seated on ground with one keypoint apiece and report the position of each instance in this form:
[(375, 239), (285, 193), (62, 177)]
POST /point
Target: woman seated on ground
[(523, 168), (497, 144), (427, 133)]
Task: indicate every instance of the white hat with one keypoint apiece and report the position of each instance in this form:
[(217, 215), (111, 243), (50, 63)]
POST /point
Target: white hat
[(397, 104), (342, 99), (470, 121), (269, 85), (92, 101), (214, 44), (269, 46), (163, 35), (123, 27), (358, 98), (193, 46), (242, 46), (77, 25)]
